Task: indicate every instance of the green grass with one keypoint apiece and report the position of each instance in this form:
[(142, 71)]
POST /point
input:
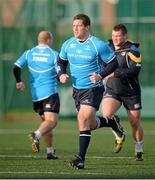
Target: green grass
[(17, 160)]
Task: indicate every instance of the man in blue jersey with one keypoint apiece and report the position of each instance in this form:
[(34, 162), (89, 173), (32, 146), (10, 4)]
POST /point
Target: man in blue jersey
[(42, 65), (85, 54), (123, 87)]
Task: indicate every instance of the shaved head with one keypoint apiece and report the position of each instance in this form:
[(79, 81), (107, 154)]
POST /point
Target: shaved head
[(45, 37)]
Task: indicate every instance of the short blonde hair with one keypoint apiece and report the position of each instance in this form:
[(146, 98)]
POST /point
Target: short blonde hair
[(44, 36)]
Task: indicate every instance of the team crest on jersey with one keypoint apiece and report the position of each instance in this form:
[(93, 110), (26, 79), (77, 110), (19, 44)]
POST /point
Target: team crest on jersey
[(123, 53), (72, 45)]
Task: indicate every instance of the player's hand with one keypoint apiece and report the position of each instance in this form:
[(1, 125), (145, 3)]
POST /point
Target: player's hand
[(20, 86), (94, 77), (63, 78)]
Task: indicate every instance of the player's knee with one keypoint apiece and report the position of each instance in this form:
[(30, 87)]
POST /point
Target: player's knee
[(52, 122), (93, 125), (84, 124), (107, 115)]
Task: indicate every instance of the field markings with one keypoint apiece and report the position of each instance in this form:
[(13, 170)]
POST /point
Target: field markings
[(64, 157), (50, 172), (24, 131)]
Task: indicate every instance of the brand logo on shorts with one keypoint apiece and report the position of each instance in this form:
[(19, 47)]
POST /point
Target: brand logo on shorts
[(136, 106), (107, 95), (86, 101), (48, 106)]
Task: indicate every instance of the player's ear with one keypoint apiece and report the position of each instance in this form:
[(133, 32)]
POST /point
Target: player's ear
[(49, 42), (87, 28), (126, 36)]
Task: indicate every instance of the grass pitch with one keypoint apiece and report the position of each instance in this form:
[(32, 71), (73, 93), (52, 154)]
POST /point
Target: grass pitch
[(17, 160)]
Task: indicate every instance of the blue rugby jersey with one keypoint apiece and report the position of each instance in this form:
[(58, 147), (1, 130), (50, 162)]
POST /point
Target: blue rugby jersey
[(42, 64), (85, 58)]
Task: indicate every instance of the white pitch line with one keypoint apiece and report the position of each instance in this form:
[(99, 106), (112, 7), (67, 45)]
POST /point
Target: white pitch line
[(50, 172), (24, 131), (110, 157), (20, 156), (64, 157), (59, 173)]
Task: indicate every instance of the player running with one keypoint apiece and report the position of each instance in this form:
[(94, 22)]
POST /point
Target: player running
[(123, 86), (42, 65), (85, 54)]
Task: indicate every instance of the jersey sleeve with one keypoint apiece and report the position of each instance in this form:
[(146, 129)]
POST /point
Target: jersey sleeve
[(106, 53), (56, 56), (134, 54), (63, 52), (22, 60)]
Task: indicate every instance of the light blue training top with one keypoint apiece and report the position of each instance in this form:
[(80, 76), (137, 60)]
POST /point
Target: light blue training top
[(42, 64), (85, 58)]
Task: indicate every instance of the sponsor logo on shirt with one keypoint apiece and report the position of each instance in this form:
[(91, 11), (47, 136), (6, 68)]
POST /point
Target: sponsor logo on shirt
[(79, 55), (40, 54)]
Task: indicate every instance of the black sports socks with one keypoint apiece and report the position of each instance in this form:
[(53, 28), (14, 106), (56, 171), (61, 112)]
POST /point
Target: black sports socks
[(84, 140)]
